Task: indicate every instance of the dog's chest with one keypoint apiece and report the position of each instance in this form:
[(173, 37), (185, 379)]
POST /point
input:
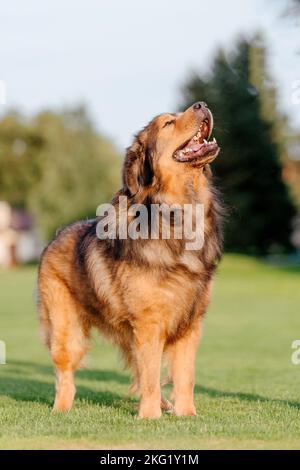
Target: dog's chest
[(167, 295)]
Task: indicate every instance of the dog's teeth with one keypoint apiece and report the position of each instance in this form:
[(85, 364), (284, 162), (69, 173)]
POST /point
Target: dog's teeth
[(214, 141), (205, 141)]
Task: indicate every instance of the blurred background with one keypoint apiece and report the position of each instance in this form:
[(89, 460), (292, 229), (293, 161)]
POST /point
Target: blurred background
[(78, 79)]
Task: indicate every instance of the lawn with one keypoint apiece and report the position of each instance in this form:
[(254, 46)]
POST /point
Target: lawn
[(247, 392)]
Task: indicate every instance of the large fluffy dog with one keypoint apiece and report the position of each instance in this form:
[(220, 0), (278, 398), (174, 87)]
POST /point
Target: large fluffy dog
[(146, 295)]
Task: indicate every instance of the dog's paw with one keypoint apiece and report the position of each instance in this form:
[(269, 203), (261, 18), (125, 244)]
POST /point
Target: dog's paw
[(149, 412), (185, 411)]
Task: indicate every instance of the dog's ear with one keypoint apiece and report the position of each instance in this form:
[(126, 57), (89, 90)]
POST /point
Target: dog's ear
[(137, 168)]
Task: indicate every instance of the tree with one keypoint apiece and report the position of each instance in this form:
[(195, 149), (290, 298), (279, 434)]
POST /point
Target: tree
[(20, 167), (249, 167), (57, 166), (80, 170)]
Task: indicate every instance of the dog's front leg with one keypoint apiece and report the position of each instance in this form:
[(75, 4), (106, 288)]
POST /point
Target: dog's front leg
[(148, 345), (181, 357)]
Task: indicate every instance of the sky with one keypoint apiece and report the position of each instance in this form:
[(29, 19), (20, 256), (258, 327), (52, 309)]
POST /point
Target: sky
[(127, 60)]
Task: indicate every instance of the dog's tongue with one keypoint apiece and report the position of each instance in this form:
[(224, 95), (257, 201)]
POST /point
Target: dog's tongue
[(195, 147)]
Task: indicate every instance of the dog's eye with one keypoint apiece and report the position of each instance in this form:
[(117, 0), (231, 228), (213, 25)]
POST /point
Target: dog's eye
[(168, 123)]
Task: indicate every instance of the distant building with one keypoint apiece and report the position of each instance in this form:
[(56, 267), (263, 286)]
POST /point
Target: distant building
[(8, 237), (19, 242)]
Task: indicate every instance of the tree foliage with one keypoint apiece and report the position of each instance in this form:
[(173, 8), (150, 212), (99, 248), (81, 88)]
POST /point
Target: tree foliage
[(248, 168), (57, 166)]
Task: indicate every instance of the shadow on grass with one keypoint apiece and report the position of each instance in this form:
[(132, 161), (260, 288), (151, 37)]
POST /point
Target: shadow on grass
[(292, 269), (19, 385), (24, 388), (106, 375), (250, 397)]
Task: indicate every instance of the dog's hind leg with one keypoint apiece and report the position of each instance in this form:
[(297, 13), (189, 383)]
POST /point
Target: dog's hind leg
[(67, 339)]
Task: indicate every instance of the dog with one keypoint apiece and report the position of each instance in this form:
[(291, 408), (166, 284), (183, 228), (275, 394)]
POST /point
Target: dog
[(147, 295)]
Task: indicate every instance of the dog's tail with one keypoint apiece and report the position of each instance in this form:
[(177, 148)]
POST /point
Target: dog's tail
[(44, 319)]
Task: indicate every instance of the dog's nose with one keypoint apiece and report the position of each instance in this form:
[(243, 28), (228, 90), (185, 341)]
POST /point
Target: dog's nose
[(199, 105), (202, 111)]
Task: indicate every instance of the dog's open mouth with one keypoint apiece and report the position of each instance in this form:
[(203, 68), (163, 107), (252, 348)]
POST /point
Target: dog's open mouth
[(198, 147)]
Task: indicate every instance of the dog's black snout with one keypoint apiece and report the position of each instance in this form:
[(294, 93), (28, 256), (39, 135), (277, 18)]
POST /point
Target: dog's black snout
[(199, 105)]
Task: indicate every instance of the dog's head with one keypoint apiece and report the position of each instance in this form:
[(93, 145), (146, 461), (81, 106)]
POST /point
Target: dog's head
[(171, 146)]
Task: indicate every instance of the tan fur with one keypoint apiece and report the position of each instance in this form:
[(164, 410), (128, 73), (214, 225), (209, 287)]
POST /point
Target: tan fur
[(147, 296)]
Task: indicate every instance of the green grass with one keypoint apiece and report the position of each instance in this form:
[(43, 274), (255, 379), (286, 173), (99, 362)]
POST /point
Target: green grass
[(247, 392)]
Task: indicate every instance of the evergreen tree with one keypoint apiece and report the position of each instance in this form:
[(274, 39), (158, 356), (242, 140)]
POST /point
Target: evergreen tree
[(248, 167)]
